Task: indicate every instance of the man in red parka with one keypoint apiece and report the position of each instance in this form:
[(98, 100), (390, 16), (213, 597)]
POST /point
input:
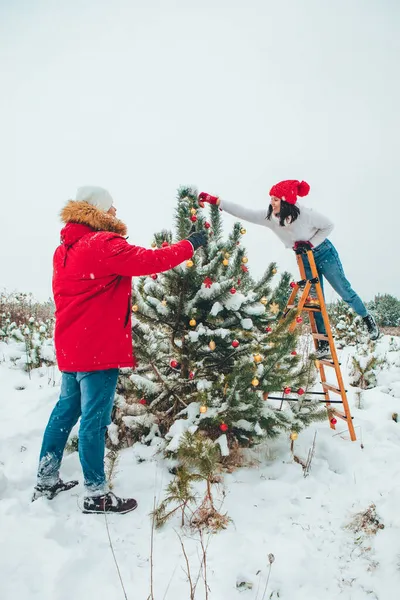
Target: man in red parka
[(92, 278)]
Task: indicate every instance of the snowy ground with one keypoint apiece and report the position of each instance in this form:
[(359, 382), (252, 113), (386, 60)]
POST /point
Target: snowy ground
[(50, 551)]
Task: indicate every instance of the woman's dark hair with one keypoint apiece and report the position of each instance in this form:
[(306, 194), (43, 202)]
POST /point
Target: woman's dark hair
[(287, 214)]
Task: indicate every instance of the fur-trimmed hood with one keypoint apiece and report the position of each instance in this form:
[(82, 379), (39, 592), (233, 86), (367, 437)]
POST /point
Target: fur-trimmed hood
[(85, 214)]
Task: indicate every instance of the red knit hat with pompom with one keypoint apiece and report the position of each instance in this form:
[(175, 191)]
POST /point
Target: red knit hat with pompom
[(289, 189)]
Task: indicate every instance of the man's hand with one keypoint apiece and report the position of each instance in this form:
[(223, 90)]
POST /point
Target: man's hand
[(198, 239), (204, 197), (302, 247)]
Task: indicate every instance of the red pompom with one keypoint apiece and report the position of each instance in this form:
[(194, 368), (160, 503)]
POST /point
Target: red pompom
[(154, 276), (207, 225), (333, 421), (293, 353), (287, 390), (268, 329), (164, 244), (299, 319), (173, 364), (300, 391), (292, 284), (235, 343), (233, 290), (193, 218), (191, 375), (143, 401), (303, 188), (223, 427)]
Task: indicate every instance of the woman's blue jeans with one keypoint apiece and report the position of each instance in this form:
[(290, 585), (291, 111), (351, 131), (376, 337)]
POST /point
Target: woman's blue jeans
[(89, 395), (329, 266)]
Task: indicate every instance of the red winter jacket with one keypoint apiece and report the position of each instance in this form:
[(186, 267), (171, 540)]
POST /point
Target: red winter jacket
[(92, 281)]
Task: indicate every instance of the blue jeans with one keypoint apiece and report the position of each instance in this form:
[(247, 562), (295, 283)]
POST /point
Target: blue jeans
[(89, 395), (329, 266)]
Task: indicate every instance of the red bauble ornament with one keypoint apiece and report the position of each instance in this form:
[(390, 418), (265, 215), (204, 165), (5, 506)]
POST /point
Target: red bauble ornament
[(193, 218), (235, 343), (164, 244), (293, 353), (208, 282), (154, 276), (333, 421), (299, 319), (143, 401), (268, 329), (300, 392), (292, 284), (223, 427), (191, 375), (287, 390), (233, 290), (173, 364), (207, 225)]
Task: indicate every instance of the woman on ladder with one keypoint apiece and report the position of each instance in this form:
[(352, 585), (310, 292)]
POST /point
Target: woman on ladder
[(299, 227)]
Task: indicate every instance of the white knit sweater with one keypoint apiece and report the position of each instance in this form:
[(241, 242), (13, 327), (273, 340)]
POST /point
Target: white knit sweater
[(310, 225)]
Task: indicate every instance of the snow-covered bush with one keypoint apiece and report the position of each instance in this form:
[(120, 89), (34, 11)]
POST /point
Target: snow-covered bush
[(348, 328), (386, 309)]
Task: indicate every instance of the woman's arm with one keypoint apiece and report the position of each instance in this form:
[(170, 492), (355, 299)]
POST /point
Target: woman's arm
[(259, 217), (322, 224)]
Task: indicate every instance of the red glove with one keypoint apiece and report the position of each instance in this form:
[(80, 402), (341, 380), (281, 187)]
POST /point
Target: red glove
[(302, 246), (204, 197)]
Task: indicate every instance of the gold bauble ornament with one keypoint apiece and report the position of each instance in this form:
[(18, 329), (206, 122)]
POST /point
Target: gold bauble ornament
[(274, 271), (245, 260), (255, 382), (135, 308), (294, 436), (274, 308), (189, 264), (203, 409), (264, 300), (226, 255), (192, 322), (212, 345), (225, 262), (193, 211), (243, 231), (257, 358), (164, 302), (154, 245)]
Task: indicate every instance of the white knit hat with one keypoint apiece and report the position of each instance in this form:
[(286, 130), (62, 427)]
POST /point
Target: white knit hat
[(97, 196)]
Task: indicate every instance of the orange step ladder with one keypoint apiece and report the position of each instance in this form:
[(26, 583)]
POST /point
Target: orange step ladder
[(303, 305)]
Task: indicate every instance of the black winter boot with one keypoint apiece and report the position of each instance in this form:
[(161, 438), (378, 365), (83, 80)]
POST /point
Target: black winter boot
[(108, 503), (372, 326), (323, 350), (50, 491)]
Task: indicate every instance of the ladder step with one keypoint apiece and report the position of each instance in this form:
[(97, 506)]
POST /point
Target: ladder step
[(312, 308), (331, 388), (327, 363), (341, 415), (320, 336)]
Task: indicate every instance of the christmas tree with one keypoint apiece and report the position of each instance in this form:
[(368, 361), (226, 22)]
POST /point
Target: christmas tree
[(210, 346)]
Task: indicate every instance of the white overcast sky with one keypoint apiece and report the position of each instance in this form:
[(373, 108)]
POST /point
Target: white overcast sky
[(230, 96)]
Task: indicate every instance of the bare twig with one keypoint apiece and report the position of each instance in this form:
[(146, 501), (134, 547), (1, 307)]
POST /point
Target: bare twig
[(271, 559), (188, 572), (115, 559), (151, 597), (204, 563)]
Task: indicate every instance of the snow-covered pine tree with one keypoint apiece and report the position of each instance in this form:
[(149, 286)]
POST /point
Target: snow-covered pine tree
[(209, 344), (347, 326)]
